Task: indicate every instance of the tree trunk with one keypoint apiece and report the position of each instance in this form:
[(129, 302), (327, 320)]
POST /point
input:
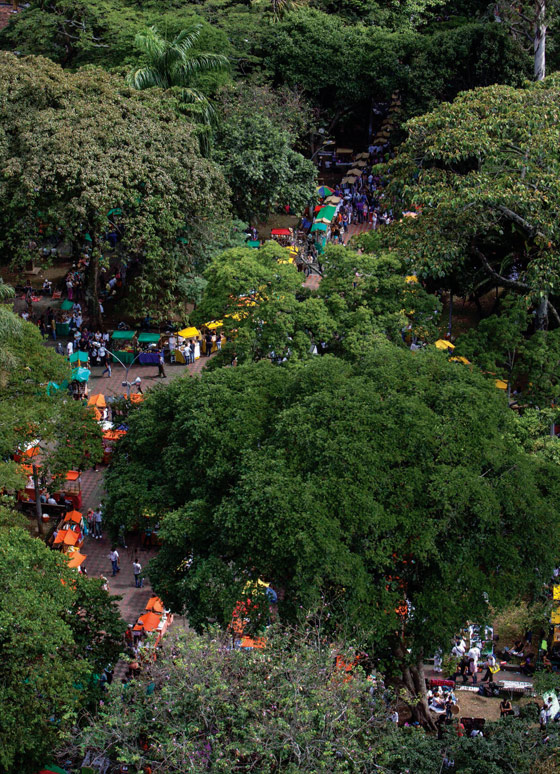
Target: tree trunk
[(415, 683), (38, 506), (92, 298), (539, 40), (542, 314)]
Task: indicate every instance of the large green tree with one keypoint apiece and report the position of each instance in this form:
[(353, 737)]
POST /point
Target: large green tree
[(65, 430), (57, 629), (75, 146), (483, 173), (284, 710), (395, 479)]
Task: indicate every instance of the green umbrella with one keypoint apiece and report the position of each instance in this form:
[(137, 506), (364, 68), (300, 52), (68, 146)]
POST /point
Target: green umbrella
[(324, 190), (319, 227), (78, 357), (66, 305)]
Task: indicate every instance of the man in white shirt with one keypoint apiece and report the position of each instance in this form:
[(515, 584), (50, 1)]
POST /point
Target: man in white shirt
[(137, 569), (114, 557)]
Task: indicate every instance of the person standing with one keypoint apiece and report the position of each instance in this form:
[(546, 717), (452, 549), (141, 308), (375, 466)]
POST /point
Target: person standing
[(161, 370), (490, 668), (137, 569), (114, 557), (97, 521)]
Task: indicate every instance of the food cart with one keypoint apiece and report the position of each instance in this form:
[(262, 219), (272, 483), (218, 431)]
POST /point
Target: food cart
[(147, 344), (125, 340)]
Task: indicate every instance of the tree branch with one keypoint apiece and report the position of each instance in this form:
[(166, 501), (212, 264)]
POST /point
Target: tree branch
[(514, 284), (515, 218)]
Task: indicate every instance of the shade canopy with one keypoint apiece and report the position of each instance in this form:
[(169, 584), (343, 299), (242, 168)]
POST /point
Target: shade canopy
[(344, 151), (149, 338), (212, 326), (80, 374), (327, 212), (74, 516), (349, 179), (253, 243), (97, 400), (500, 384), (66, 537), (333, 200), (443, 344), (324, 190), (459, 359), (79, 357), (189, 333), (76, 559), (319, 227), (149, 621), (281, 231), (355, 171), (66, 305), (123, 335), (154, 605)]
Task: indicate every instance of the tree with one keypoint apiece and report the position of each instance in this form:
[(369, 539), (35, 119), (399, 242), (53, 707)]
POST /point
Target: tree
[(344, 484), (46, 663), (65, 431), (174, 64), (77, 145), (260, 165), (482, 173)]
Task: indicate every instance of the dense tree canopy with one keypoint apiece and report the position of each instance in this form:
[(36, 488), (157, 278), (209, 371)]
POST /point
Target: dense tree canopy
[(483, 172), (57, 629), (341, 483), (71, 143)]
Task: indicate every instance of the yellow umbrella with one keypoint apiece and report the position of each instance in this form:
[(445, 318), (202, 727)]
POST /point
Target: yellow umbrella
[(213, 325), (443, 344), (411, 278), (189, 333)]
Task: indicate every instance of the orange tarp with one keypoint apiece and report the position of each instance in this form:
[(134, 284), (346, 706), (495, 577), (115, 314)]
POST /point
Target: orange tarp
[(250, 642), (76, 559), (135, 398), (74, 516), (149, 621), (97, 400), (67, 537), (155, 604), (72, 475), (113, 435)]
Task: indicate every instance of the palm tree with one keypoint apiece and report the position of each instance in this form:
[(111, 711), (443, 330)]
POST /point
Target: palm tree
[(172, 63)]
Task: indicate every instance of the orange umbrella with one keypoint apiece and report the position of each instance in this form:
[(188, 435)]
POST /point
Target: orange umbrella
[(97, 400), (149, 621), (74, 516), (135, 398), (76, 559), (155, 604)]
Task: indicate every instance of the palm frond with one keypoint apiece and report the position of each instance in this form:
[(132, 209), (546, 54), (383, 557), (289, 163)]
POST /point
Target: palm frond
[(198, 65), (147, 78), (186, 39)]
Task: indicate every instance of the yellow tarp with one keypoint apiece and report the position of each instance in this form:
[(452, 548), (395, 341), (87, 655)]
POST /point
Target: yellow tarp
[(556, 593), (555, 616), (459, 359), (501, 385), (212, 326), (411, 278), (189, 333), (443, 344)]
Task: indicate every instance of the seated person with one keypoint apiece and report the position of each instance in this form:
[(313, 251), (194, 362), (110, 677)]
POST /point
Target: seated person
[(505, 708)]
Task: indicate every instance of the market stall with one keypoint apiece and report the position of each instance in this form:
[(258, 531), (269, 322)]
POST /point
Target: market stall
[(79, 382), (147, 344), (79, 358), (282, 235), (125, 340), (110, 437), (63, 328)]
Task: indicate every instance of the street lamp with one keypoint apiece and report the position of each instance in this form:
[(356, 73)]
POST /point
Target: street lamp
[(127, 368), (320, 148)]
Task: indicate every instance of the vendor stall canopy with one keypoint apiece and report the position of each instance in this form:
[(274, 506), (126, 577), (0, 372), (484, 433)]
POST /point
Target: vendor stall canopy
[(123, 335), (189, 333), (79, 357), (149, 338), (253, 243), (319, 227), (281, 232), (80, 374), (444, 345), (66, 305)]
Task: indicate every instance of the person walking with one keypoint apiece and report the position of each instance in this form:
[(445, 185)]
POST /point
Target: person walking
[(137, 569), (97, 522), (208, 339), (107, 365), (490, 668), (114, 557), (161, 370)]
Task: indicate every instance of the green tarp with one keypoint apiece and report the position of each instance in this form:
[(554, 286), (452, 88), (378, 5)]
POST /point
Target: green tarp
[(319, 227), (253, 243), (149, 338), (326, 212), (66, 305), (123, 335), (80, 374), (78, 357)]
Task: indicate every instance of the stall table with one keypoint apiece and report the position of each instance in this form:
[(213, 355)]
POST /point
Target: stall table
[(126, 356), (148, 358)]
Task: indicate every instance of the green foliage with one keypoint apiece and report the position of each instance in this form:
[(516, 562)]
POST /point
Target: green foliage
[(55, 629), (81, 144), (67, 431), (340, 481), (254, 147), (483, 171), (206, 708)]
